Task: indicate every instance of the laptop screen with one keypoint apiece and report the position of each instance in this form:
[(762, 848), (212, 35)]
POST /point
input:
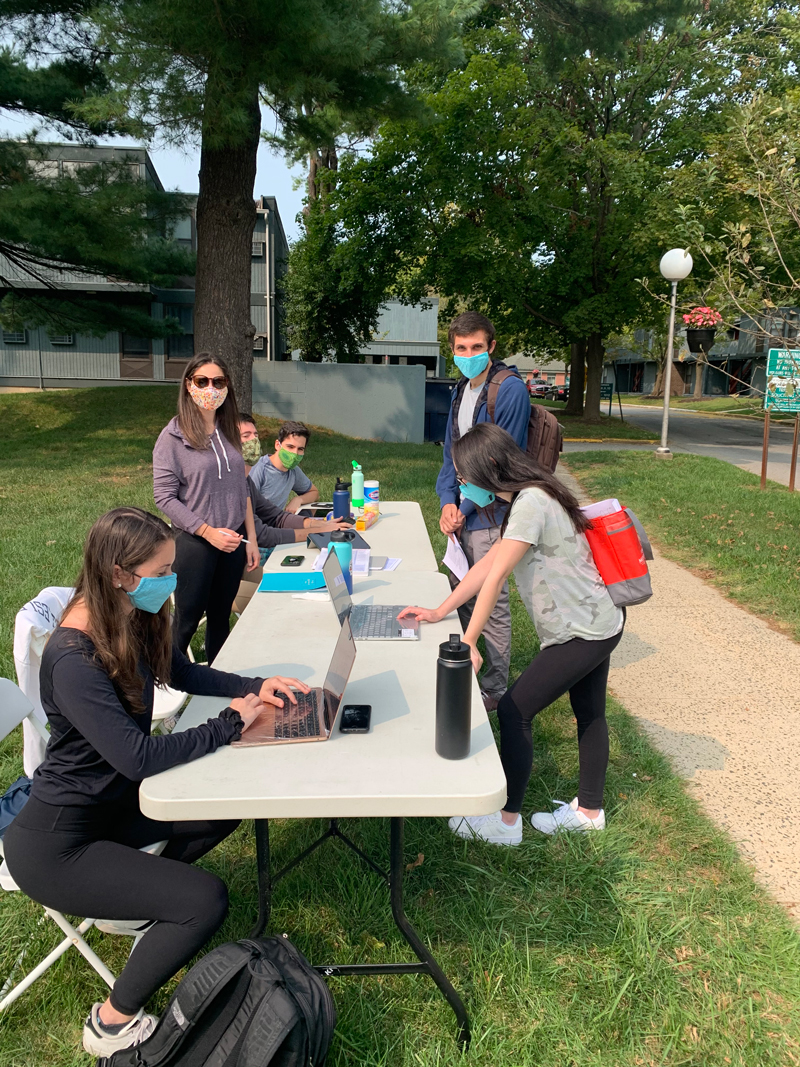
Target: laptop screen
[(337, 586), (344, 656)]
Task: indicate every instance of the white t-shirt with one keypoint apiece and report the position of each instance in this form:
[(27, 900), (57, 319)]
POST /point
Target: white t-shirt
[(557, 579), (466, 412)]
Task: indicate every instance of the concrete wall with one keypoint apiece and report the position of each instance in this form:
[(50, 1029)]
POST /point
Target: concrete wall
[(361, 400)]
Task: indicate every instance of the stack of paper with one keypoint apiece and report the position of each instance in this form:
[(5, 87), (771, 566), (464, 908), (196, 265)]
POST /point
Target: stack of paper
[(604, 507)]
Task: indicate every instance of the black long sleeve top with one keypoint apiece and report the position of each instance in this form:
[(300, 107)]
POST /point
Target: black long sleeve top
[(99, 750), (274, 526)]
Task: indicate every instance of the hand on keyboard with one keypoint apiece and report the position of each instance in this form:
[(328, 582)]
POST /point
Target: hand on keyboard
[(279, 684)]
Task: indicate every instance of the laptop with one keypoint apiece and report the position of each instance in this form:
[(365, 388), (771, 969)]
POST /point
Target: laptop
[(370, 622), (316, 713)]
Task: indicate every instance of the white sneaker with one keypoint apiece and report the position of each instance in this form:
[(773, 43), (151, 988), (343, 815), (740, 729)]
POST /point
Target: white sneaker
[(99, 1043), (566, 817), (487, 828), (124, 927)]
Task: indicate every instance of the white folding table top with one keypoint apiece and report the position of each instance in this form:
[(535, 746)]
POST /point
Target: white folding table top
[(392, 770), (400, 532)]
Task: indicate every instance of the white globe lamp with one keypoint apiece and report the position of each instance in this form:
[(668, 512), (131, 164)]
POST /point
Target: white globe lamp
[(675, 265)]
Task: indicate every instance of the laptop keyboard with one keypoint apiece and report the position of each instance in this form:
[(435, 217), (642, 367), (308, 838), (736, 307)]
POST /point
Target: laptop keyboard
[(376, 622), (298, 720)]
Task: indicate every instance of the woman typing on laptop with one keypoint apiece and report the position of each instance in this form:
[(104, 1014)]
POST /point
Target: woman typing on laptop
[(75, 845)]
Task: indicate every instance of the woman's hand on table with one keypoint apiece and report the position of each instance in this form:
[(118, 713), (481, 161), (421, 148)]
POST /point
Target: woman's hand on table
[(278, 684), (249, 707), (253, 556), (422, 614)]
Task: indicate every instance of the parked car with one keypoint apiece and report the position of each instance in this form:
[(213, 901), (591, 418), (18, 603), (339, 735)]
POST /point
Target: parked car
[(538, 388), (559, 392)]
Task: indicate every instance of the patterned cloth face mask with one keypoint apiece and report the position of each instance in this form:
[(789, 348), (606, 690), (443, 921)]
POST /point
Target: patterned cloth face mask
[(251, 451), (209, 398)]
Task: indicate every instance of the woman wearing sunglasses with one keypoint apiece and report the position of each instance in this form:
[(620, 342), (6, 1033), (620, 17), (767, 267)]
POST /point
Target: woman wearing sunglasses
[(199, 483)]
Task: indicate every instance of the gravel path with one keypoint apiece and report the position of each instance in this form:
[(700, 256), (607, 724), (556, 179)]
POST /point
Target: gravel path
[(715, 689)]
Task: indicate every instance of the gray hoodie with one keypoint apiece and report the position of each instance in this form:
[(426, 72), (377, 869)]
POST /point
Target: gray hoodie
[(192, 487)]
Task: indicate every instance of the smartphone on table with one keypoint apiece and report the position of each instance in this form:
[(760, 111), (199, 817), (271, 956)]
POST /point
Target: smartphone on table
[(355, 719), (292, 561)]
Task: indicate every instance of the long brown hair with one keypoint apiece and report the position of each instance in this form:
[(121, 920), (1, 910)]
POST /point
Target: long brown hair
[(490, 458), (189, 418), (127, 537)]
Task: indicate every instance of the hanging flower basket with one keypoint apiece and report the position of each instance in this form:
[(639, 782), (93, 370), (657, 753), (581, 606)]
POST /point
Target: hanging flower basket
[(700, 340), (701, 326)]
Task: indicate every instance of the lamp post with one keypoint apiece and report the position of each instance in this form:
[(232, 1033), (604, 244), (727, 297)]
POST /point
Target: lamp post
[(675, 265)]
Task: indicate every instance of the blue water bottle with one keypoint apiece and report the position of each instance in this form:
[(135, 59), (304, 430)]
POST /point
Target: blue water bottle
[(341, 500), (341, 543)]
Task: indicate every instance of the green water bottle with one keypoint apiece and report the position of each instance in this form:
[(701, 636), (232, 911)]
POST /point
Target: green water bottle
[(357, 486)]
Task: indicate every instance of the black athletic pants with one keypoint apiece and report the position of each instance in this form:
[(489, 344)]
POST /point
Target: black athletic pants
[(208, 581), (580, 668), (85, 861)]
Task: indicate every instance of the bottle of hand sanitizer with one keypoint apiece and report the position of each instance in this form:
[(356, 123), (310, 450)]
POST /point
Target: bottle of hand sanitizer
[(357, 486)]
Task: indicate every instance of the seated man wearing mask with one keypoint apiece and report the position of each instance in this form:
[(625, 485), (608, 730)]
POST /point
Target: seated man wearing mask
[(277, 476), (273, 526)]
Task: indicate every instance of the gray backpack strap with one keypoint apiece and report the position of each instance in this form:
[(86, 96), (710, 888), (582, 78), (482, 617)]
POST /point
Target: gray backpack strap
[(644, 540)]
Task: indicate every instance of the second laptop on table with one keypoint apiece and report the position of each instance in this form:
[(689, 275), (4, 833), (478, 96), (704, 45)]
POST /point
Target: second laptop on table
[(370, 622)]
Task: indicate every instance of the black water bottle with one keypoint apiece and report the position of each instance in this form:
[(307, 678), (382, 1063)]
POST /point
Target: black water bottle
[(453, 699)]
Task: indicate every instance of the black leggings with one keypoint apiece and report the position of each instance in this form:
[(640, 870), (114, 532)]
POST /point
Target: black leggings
[(208, 581), (580, 668), (85, 861)]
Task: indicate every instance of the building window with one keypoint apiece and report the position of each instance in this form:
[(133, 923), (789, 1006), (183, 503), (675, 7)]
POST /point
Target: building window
[(181, 345), (134, 347), (61, 338), (15, 337), (257, 249), (258, 343)]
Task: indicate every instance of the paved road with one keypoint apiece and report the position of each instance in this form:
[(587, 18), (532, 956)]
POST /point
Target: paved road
[(733, 440)]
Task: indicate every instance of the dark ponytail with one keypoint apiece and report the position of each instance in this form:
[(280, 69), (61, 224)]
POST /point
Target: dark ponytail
[(490, 458)]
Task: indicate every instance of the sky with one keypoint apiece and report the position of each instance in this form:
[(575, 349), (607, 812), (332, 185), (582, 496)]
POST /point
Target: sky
[(178, 169)]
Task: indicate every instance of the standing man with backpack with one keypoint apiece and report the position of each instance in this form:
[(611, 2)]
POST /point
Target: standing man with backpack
[(472, 341)]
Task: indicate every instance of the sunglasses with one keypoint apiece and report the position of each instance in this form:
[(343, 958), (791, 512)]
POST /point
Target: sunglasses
[(202, 382)]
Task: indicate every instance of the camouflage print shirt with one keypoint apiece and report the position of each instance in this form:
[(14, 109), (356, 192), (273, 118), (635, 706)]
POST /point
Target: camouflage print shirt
[(557, 578)]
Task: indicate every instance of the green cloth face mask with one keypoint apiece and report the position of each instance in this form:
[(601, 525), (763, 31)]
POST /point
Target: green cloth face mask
[(289, 459), (251, 451)]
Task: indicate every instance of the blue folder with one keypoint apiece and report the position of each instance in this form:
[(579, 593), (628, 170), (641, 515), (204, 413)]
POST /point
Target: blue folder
[(301, 582)]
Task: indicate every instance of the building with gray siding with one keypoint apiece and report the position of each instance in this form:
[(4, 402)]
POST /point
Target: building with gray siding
[(80, 359)]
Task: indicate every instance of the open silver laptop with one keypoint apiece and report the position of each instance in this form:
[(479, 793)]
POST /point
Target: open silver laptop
[(370, 622), (316, 713)]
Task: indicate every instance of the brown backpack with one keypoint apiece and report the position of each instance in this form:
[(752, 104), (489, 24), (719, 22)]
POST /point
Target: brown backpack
[(545, 439)]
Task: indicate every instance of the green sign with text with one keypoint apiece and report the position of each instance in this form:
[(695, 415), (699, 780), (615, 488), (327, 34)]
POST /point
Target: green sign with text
[(783, 380), (606, 390)]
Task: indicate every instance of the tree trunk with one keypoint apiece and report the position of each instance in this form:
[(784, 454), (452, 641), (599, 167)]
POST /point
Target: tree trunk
[(595, 353), (226, 216), (577, 358), (698, 376)]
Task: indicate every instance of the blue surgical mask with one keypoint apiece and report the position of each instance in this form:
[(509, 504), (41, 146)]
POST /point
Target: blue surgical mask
[(482, 498), (151, 594), (472, 366)]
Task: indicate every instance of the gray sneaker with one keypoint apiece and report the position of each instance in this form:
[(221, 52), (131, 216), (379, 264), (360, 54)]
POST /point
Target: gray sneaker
[(97, 1042)]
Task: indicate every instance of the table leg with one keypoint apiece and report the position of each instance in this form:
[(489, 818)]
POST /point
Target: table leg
[(413, 938), (264, 877)]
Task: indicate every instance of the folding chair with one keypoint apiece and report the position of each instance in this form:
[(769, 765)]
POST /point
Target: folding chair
[(34, 623), (15, 708)]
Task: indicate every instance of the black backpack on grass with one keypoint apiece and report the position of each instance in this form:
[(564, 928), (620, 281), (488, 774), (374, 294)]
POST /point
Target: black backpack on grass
[(255, 1003)]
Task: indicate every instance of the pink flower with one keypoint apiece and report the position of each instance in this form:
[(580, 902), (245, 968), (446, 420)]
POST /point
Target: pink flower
[(700, 318)]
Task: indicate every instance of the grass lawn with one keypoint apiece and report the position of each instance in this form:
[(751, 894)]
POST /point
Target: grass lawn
[(647, 946), (607, 429), (712, 517)]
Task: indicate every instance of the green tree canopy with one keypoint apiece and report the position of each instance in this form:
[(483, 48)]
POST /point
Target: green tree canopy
[(99, 221), (535, 189)]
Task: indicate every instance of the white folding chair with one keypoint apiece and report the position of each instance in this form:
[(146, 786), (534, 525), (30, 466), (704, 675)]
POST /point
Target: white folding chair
[(34, 623), (15, 708)]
